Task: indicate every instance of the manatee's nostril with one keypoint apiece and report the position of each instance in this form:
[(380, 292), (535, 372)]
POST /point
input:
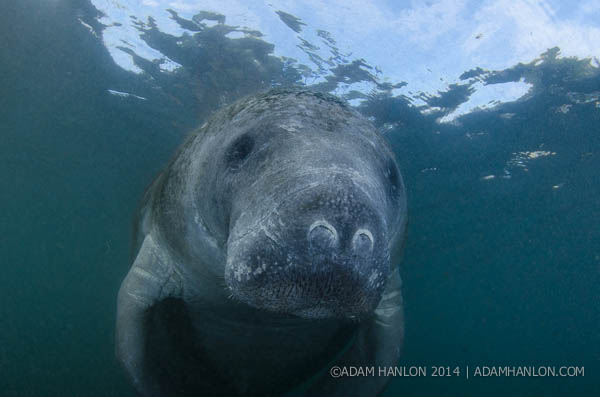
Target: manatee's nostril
[(322, 235), (362, 242)]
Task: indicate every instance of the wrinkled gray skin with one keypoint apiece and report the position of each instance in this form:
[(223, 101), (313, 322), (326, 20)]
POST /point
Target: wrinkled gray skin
[(267, 252)]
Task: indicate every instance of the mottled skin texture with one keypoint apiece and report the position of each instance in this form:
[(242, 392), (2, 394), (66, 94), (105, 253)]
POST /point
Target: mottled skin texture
[(267, 252)]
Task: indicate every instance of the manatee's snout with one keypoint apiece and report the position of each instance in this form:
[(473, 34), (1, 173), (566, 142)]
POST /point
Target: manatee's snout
[(321, 253)]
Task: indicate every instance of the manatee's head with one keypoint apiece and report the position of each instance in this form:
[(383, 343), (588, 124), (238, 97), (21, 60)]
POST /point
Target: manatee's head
[(316, 209)]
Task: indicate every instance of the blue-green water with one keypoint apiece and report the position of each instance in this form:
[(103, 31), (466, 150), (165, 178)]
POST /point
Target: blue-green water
[(501, 270)]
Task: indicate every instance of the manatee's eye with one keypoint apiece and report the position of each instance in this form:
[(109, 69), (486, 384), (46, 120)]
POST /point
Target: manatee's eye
[(239, 151), (392, 174)]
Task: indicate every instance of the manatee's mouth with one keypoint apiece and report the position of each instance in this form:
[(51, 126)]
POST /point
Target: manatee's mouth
[(308, 311), (266, 275), (334, 291), (320, 312), (316, 312)]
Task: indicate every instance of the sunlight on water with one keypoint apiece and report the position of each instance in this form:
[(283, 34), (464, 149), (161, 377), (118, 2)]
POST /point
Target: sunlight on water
[(427, 45)]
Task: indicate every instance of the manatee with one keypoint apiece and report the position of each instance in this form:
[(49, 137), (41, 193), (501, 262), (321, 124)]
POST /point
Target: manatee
[(267, 253)]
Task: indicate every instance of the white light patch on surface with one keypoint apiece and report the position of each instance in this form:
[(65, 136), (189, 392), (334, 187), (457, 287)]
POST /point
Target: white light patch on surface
[(488, 96), (121, 31), (88, 27), (235, 35), (125, 94), (361, 86)]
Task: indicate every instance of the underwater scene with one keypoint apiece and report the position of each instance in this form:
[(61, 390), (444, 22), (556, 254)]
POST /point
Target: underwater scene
[(469, 166)]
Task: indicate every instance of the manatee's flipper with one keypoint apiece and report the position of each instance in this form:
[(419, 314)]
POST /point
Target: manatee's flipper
[(150, 280), (377, 344)]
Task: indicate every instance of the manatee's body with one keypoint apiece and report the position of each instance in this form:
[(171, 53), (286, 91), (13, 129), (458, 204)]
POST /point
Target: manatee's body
[(266, 253)]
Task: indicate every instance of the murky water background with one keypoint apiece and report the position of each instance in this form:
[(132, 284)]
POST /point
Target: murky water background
[(502, 263)]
